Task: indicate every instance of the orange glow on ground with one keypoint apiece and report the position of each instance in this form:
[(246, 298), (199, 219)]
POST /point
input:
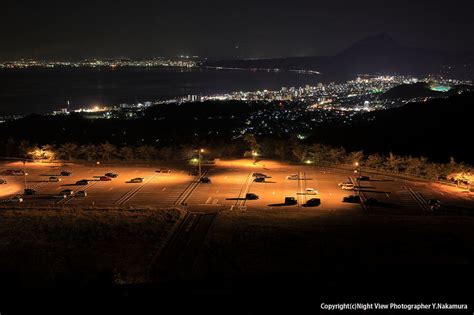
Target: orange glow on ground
[(248, 163)]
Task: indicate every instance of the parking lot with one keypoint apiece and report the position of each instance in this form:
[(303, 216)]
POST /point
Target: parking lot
[(230, 184)]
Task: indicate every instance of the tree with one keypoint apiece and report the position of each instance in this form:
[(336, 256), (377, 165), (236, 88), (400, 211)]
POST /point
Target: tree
[(88, 151), (335, 155), (24, 148), (375, 161), (67, 150), (126, 153), (252, 142), (145, 152), (356, 156), (300, 152), (393, 163), (49, 152), (106, 151)]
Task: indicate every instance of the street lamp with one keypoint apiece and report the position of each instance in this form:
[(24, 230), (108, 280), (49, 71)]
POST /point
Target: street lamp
[(200, 151), (254, 156), (358, 171), (24, 173)]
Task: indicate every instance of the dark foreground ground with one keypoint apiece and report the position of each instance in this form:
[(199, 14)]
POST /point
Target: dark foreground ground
[(254, 262)]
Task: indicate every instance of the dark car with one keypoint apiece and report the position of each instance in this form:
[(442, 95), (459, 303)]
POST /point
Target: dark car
[(352, 199), (105, 178), (205, 180), (29, 191), (251, 196), (259, 179), (363, 178), (313, 202), (65, 173), (66, 192), (82, 182), (111, 175), (163, 170), (260, 175), (290, 201)]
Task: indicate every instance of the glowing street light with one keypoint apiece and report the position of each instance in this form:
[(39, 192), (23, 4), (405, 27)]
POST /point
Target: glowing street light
[(200, 151), (254, 155), (358, 171)]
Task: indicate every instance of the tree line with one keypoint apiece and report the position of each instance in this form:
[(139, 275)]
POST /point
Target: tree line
[(292, 150)]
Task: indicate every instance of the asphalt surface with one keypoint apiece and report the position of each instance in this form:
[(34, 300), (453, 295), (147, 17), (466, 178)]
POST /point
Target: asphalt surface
[(230, 182)]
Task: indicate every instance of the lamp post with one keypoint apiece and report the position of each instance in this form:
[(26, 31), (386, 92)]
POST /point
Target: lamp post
[(254, 156), (358, 171), (200, 151), (24, 173)]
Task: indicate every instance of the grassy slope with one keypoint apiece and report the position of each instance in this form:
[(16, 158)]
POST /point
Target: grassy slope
[(47, 248), (320, 242)]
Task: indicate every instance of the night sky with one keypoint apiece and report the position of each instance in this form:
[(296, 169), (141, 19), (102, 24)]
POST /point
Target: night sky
[(222, 29)]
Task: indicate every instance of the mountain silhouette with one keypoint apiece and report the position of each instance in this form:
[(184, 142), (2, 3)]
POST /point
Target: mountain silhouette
[(378, 54)]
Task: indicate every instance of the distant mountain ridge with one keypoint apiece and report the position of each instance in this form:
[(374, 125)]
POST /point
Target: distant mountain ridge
[(375, 54)]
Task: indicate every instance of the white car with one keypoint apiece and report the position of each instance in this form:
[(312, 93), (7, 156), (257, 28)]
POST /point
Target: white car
[(311, 191), (18, 199), (292, 177), (348, 186), (343, 183), (136, 180)]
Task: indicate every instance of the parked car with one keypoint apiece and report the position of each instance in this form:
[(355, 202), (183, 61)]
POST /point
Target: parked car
[(14, 173), (17, 199), (311, 191), (2, 181), (363, 178), (105, 179), (29, 191), (290, 201), (81, 193), (351, 198), (251, 196), (205, 180), (163, 170), (292, 177), (259, 179), (66, 192), (82, 182), (348, 186), (343, 183), (313, 202), (65, 173), (137, 180), (260, 175), (54, 179), (111, 175)]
